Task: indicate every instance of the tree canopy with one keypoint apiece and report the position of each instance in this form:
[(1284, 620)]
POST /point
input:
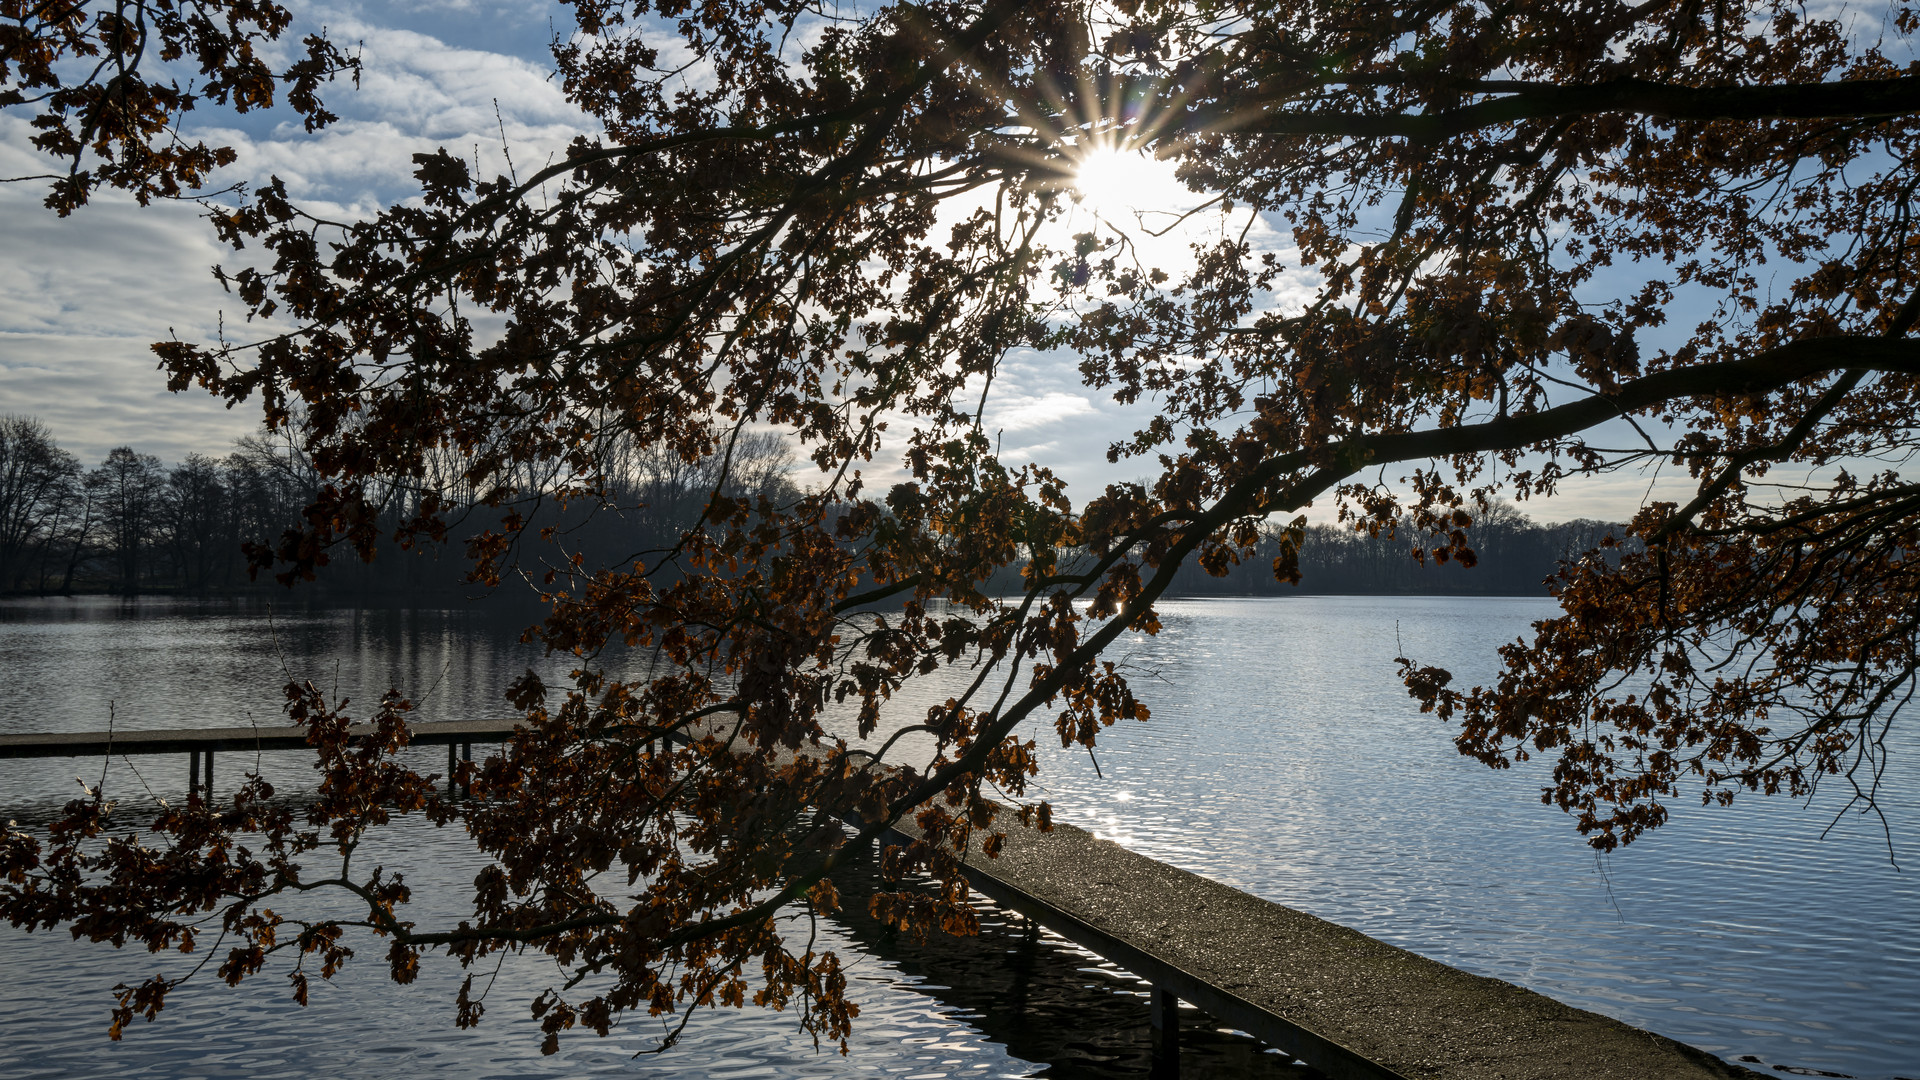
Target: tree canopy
[(1516, 223)]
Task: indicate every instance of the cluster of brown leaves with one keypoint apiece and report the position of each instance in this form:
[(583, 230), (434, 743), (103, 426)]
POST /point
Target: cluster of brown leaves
[(202, 870), (776, 244), (102, 83)]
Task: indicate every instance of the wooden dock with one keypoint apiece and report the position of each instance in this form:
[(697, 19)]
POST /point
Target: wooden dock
[(187, 740), (199, 744), (1353, 1007)]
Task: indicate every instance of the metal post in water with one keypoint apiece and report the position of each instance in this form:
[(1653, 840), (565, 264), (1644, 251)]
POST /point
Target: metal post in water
[(453, 767), (1165, 1017), (209, 776), (466, 754), (193, 773)]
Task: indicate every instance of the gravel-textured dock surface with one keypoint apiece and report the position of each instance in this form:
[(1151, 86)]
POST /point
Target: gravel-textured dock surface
[(1413, 1016)]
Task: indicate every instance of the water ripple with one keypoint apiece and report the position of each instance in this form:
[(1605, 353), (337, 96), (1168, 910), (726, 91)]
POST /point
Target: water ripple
[(1283, 758)]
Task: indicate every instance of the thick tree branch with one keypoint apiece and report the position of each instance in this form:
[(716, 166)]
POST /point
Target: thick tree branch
[(1251, 495), (1759, 374), (1876, 99)]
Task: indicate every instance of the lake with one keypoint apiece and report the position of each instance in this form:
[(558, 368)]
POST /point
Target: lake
[(1283, 758)]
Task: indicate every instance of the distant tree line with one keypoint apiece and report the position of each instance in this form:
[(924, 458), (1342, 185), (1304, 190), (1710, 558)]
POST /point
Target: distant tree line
[(132, 524), (1513, 556)]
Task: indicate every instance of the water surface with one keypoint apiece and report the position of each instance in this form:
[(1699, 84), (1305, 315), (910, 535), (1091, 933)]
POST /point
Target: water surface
[(1283, 758)]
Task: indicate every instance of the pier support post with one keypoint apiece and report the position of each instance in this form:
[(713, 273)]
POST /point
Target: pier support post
[(466, 755), (199, 780), (1165, 1017), (453, 767)]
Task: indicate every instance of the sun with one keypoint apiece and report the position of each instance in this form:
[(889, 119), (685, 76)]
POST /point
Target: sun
[(1120, 184)]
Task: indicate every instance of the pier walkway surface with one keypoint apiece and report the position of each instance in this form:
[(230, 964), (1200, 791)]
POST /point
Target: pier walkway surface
[(188, 740), (199, 744), (1345, 1003)]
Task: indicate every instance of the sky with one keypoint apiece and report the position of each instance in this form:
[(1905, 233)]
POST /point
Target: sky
[(83, 298)]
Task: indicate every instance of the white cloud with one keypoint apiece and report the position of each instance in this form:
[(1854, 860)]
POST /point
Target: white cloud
[(83, 298), (1016, 412), (417, 94), (96, 393), (81, 301), (423, 85)]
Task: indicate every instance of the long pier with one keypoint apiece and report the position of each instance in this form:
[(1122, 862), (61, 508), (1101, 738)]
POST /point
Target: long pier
[(200, 744), (1351, 1006)]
